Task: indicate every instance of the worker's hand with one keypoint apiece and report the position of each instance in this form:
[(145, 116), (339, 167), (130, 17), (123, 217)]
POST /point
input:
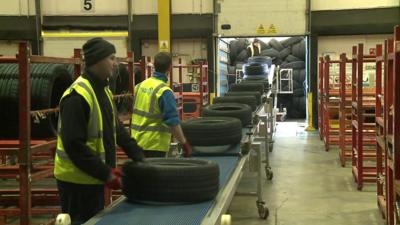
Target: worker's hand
[(187, 150), (114, 180), (138, 156)]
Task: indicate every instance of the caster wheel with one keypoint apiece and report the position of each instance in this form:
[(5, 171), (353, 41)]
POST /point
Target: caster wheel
[(226, 219), (63, 219), (263, 212), (270, 174)]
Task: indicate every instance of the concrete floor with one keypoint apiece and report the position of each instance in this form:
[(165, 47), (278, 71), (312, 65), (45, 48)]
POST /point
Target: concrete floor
[(309, 186)]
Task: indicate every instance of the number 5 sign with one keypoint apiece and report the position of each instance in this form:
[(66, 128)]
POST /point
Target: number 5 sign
[(87, 6)]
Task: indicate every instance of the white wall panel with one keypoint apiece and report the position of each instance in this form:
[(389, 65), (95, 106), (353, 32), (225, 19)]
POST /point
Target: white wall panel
[(74, 7), (144, 7), (186, 49), (64, 47), (17, 7), (351, 4), (288, 16), (336, 45), (8, 48), (192, 6)]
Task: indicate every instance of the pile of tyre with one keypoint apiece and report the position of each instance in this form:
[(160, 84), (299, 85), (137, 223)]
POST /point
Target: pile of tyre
[(289, 53), (48, 83)]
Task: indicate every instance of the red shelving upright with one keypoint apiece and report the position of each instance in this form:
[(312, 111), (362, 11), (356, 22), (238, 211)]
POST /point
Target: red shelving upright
[(345, 137), (363, 132), (321, 97), (330, 106), (394, 111)]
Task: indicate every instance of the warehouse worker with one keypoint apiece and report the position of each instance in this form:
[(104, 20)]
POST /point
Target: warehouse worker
[(254, 49), (155, 115), (89, 131)]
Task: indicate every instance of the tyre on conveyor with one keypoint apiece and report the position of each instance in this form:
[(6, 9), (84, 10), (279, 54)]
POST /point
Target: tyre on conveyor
[(248, 87), (170, 180), (212, 131), (255, 68), (48, 83), (248, 100), (256, 94), (261, 59), (240, 111), (263, 81)]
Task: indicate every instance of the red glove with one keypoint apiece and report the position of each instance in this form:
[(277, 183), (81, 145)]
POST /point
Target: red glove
[(114, 180), (187, 150)]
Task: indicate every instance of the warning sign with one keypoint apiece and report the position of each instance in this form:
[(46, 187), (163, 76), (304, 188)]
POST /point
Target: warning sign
[(260, 29), (272, 29), (164, 46)]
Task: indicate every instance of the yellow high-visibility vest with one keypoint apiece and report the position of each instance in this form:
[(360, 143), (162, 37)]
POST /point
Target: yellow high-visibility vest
[(147, 121), (64, 169)]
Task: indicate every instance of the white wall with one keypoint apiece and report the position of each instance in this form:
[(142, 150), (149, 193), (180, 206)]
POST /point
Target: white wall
[(64, 47), (119, 7), (288, 16), (75, 7), (336, 45), (17, 7), (8, 48), (352, 4), (186, 49)]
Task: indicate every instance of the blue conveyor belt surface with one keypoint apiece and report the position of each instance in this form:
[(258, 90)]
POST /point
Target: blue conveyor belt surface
[(138, 214)]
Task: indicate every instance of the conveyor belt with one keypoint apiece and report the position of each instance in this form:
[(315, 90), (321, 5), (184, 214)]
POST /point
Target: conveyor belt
[(123, 212)]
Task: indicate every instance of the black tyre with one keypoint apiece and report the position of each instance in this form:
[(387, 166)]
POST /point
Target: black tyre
[(240, 111), (263, 81), (291, 41), (284, 53), (256, 94), (292, 58), (276, 45), (170, 180), (261, 59), (299, 75), (242, 56), (255, 69), (48, 83), (248, 87), (294, 65), (248, 100), (298, 92), (299, 50), (270, 52), (212, 131)]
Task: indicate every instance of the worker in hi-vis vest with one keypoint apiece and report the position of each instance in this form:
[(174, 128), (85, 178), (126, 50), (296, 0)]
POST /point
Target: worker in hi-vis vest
[(155, 114), (88, 132), (254, 49)]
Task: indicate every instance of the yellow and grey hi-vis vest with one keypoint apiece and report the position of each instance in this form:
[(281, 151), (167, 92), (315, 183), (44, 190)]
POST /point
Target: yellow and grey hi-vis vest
[(64, 169), (147, 121)]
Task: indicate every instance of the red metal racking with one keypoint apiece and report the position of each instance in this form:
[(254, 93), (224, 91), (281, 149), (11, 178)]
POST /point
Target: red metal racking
[(321, 97), (330, 105), (345, 137), (393, 140), (28, 201), (363, 133)]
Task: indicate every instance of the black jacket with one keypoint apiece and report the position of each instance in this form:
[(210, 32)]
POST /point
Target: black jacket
[(74, 112)]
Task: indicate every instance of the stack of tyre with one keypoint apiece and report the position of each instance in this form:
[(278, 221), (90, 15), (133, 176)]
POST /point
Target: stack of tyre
[(48, 83), (289, 53)]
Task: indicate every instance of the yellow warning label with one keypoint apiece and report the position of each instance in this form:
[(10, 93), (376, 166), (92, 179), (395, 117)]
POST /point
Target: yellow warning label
[(272, 29), (164, 46), (260, 29)]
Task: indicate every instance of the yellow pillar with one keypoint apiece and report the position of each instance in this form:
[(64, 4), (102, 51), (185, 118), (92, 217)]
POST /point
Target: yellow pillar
[(310, 126), (164, 25)]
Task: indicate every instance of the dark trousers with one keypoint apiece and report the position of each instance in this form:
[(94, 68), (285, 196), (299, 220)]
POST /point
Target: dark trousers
[(80, 201), (154, 154)]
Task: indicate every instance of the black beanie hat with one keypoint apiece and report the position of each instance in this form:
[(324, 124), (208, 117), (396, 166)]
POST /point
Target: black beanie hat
[(97, 49)]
